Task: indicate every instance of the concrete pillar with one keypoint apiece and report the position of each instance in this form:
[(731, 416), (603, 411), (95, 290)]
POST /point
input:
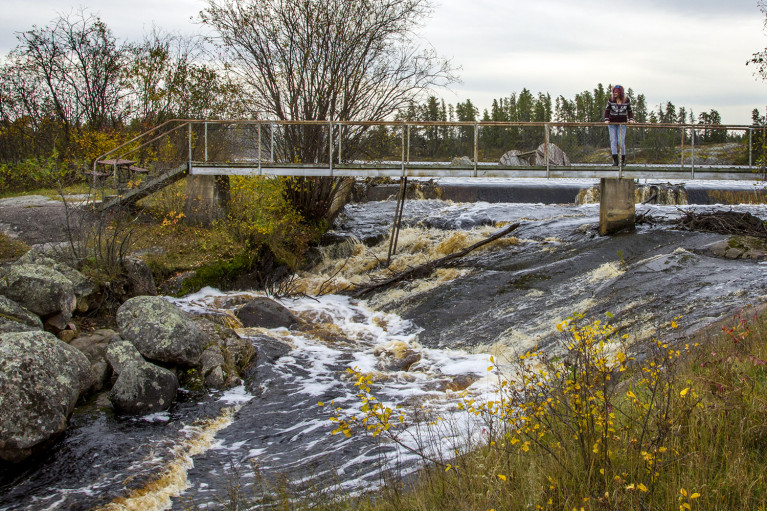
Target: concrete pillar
[(616, 205), (205, 198)]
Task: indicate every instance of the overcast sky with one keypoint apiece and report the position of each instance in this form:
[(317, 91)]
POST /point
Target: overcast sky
[(692, 53)]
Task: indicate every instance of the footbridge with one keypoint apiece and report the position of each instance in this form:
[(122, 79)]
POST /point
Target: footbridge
[(204, 149)]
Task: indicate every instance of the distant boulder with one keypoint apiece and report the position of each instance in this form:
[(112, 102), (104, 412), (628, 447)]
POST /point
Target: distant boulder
[(556, 156), (462, 161), (514, 158)]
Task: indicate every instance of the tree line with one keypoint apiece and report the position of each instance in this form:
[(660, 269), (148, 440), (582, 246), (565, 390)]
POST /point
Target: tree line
[(440, 142)]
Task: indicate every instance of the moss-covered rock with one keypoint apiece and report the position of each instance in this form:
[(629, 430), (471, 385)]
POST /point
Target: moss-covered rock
[(41, 379), (141, 387), (15, 318), (161, 331), (42, 290)]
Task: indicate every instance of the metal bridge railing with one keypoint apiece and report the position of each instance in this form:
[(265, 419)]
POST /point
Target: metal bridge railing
[(466, 149)]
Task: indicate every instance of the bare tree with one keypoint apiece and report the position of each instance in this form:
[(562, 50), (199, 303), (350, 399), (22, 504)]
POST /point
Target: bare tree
[(325, 60), (78, 61)]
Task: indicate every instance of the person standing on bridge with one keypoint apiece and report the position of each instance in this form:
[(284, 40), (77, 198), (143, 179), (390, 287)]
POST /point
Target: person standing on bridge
[(617, 113)]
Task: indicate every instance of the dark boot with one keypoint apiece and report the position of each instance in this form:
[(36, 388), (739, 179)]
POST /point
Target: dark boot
[(615, 160), (623, 160)]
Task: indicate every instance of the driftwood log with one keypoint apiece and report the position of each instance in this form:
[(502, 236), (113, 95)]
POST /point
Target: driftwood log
[(724, 222), (426, 268)]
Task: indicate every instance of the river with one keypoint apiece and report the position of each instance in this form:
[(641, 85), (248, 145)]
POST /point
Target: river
[(423, 342)]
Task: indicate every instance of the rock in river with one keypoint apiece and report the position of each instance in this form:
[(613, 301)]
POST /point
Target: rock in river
[(141, 387), (160, 331), (265, 313)]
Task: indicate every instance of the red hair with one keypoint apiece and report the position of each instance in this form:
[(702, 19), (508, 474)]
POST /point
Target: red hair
[(618, 92)]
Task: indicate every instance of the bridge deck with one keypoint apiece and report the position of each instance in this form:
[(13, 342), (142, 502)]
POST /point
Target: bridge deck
[(422, 169)]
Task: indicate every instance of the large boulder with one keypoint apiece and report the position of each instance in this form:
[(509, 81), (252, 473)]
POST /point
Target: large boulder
[(61, 257), (141, 387), (15, 318), (514, 158), (556, 156), (41, 379), (140, 278), (265, 313), (161, 331), (60, 253), (44, 291)]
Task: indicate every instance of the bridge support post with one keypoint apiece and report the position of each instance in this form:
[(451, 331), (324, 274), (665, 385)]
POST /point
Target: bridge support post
[(616, 206), (205, 198)]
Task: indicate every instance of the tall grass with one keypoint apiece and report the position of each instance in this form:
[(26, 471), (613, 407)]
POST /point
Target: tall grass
[(684, 427)]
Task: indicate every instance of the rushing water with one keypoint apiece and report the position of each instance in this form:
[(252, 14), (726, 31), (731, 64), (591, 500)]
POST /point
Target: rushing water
[(423, 342)]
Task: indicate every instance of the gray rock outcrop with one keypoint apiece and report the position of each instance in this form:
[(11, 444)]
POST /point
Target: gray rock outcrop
[(41, 379), (265, 313), (15, 318), (160, 331), (141, 387)]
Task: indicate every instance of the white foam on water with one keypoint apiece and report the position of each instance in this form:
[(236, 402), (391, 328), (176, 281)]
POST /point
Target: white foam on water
[(236, 395), (362, 338)]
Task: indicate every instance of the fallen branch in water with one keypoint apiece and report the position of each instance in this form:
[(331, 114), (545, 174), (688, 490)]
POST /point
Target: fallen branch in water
[(426, 268)]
